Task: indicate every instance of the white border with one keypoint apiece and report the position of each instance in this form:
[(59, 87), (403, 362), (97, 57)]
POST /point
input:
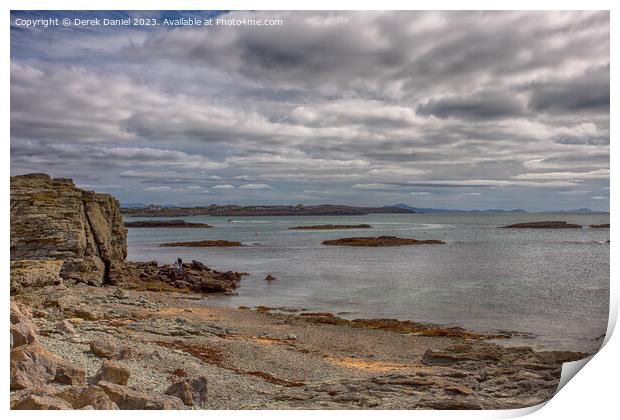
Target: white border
[(592, 394)]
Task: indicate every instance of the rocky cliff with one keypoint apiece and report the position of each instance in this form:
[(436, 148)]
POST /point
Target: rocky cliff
[(51, 219)]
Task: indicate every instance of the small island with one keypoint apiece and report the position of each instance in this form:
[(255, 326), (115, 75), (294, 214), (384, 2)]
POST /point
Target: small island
[(601, 226), (165, 224), (543, 225), (205, 243), (331, 227), (381, 241)]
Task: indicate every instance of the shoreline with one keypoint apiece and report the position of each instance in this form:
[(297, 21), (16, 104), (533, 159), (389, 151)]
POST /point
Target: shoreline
[(260, 359)]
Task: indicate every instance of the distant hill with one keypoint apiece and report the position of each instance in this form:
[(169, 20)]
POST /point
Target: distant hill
[(232, 210), (134, 205), (433, 210)]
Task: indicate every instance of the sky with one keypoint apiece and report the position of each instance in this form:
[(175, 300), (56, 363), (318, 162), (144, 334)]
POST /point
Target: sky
[(468, 110)]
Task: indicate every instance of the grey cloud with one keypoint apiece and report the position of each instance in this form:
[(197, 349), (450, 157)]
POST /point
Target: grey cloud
[(484, 105), (362, 106), (585, 93)]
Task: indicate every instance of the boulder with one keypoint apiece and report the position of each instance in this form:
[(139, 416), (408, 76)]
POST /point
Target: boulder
[(69, 374), (112, 372), (45, 402), (120, 294), (23, 331), (129, 399), (32, 366), (110, 348), (51, 219), (65, 327), (190, 391), (88, 397)]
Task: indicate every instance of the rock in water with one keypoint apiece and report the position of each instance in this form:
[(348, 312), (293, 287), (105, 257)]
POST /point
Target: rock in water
[(51, 219), (549, 224)]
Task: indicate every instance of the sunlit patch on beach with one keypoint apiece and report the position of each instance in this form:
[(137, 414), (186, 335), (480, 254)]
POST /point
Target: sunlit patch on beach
[(367, 364)]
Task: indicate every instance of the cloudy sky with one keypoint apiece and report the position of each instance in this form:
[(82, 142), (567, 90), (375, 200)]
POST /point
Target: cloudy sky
[(467, 110)]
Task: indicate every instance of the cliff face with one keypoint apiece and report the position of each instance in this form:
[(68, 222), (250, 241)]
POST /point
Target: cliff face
[(51, 219)]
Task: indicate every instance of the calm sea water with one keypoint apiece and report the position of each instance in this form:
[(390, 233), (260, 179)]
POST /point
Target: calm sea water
[(554, 284)]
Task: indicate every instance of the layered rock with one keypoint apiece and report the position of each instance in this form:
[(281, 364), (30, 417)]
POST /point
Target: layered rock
[(51, 219), (41, 380)]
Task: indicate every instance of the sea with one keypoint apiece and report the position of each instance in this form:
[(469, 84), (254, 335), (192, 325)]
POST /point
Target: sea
[(551, 284)]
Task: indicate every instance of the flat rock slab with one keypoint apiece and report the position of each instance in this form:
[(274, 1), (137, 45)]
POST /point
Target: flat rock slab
[(165, 224), (543, 225), (381, 241)]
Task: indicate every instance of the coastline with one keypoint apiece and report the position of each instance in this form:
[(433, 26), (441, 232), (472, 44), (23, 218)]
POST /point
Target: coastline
[(92, 329), (259, 359)]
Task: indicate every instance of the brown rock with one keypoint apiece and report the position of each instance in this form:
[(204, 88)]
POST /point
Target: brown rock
[(91, 397), (65, 327), (47, 402), (23, 331), (40, 391), (31, 366), (68, 373), (270, 277), (165, 224), (29, 274), (381, 241), (129, 399), (195, 276), (543, 225), (191, 391), (164, 402), (110, 348), (112, 372)]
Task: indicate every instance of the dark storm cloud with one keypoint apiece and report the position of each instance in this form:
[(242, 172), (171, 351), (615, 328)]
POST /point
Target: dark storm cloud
[(485, 105), (357, 107), (589, 92)]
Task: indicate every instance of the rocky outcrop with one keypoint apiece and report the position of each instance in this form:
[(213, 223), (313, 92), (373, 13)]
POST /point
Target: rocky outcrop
[(195, 276), (40, 380), (381, 241), (23, 331), (331, 227), (205, 243), (51, 219), (33, 274), (33, 366), (601, 226), (165, 224), (543, 225)]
